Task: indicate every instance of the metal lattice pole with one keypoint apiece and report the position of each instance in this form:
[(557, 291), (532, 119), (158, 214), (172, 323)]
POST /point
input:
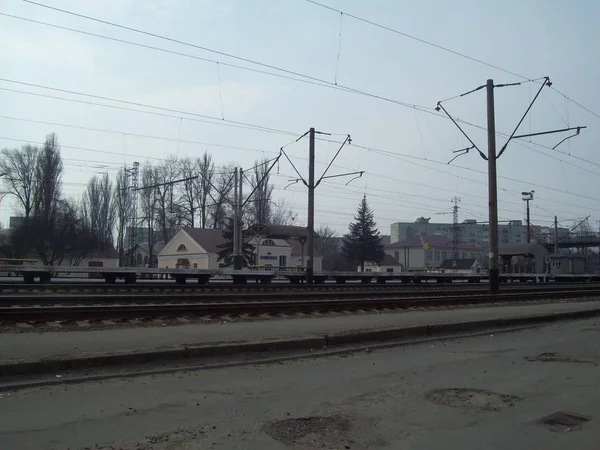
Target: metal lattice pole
[(133, 200)]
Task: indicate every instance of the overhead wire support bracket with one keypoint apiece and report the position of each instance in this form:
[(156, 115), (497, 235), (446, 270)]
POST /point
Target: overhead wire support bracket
[(546, 82), (292, 182), (347, 140), (462, 151), (358, 172), (569, 137), (438, 107), (301, 178)]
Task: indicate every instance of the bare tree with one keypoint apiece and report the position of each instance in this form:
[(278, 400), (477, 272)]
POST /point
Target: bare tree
[(282, 214), (188, 191), (18, 168), (147, 199), (168, 212), (326, 245), (206, 171), (219, 211), (261, 199), (122, 208), (48, 174), (98, 209), (195, 192)]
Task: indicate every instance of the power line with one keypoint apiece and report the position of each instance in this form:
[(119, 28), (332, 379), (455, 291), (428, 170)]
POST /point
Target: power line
[(101, 130), (234, 124), (100, 97), (446, 49), (415, 38), (229, 55), (221, 123)]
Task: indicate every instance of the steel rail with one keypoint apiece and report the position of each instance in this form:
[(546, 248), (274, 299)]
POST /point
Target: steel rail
[(62, 313), (23, 300)]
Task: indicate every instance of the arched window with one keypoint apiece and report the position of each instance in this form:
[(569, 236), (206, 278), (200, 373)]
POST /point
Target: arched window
[(145, 260), (139, 259), (182, 264), (182, 248), (268, 242)]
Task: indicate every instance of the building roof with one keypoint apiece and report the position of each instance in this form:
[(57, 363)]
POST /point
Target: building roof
[(537, 250), (460, 263), (208, 239), (278, 231), (156, 248), (433, 241), (107, 252)]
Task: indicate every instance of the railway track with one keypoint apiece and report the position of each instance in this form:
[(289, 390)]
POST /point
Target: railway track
[(300, 303), (8, 289), (259, 296)]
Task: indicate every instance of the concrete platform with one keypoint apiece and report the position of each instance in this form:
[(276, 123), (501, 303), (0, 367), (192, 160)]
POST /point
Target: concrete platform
[(32, 353)]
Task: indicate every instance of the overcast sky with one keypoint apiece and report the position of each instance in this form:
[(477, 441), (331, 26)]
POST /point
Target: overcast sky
[(406, 175)]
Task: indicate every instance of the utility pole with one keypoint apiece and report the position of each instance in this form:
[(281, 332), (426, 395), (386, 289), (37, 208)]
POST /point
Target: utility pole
[(311, 184), (311, 206), (133, 192), (555, 234), (491, 158), (236, 203), (527, 197), (492, 189), (240, 225), (455, 231)]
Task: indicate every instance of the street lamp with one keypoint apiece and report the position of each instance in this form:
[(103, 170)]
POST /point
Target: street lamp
[(527, 197)]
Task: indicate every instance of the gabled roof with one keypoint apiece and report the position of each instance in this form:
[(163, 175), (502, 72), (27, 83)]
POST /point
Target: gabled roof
[(156, 248), (208, 239), (278, 231), (460, 264)]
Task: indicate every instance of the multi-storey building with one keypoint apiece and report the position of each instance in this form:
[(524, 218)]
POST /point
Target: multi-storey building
[(469, 232)]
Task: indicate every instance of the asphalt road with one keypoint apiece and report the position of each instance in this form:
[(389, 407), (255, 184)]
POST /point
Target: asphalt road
[(474, 393)]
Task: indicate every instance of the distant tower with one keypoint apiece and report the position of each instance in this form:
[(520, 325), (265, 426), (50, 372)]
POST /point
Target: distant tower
[(455, 200), (133, 172)]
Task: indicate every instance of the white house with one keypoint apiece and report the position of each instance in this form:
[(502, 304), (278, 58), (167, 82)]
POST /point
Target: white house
[(389, 264), (141, 254), (198, 248), (193, 248), (461, 266)]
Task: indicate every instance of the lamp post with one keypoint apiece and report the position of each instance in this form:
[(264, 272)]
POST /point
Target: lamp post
[(527, 197)]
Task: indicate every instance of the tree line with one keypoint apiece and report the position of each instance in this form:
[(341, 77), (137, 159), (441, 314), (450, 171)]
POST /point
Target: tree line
[(172, 193)]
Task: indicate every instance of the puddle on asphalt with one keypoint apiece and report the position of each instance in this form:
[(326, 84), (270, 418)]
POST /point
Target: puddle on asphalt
[(315, 431), (477, 399), (556, 357)]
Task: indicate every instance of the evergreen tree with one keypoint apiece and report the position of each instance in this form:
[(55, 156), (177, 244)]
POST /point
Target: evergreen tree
[(363, 243), (226, 252)]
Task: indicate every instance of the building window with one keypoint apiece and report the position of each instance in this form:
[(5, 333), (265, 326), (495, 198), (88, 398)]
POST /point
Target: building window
[(397, 256), (268, 242), (473, 256), (437, 255), (221, 265), (444, 255), (390, 269), (464, 255), (429, 255), (182, 248), (195, 265)]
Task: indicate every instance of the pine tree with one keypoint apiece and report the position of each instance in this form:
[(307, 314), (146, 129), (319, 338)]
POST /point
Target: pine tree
[(363, 243), (226, 252)]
